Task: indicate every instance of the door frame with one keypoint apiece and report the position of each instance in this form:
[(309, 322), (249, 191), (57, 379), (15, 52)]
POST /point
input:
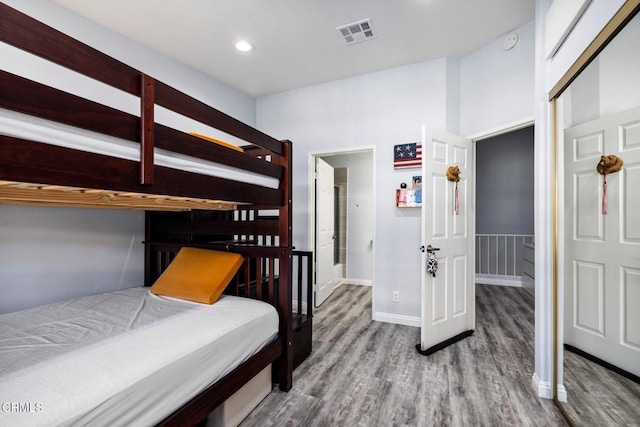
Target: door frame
[(501, 130), (311, 223)]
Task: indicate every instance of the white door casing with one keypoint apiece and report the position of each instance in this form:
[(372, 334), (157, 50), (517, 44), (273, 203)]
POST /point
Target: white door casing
[(325, 230), (602, 252), (448, 300)]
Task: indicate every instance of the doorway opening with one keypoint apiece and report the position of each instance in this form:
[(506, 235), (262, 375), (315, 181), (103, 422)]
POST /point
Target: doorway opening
[(505, 209), (341, 219)]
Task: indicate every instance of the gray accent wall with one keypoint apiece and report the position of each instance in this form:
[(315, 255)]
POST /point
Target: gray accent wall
[(504, 183)]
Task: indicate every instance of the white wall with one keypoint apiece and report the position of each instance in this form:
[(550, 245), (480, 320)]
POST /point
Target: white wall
[(496, 85), (464, 96), (52, 254), (359, 213), (378, 109)]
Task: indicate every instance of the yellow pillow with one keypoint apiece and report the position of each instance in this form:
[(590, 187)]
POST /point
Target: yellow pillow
[(198, 275)]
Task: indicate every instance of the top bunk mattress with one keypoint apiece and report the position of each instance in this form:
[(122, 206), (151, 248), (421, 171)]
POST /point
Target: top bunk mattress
[(122, 358), (32, 128)]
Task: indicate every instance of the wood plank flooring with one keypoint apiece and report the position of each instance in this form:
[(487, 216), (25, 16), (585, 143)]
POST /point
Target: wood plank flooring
[(369, 373), (599, 396)]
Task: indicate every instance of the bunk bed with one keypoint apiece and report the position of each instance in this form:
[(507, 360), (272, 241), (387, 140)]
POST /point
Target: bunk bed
[(60, 149)]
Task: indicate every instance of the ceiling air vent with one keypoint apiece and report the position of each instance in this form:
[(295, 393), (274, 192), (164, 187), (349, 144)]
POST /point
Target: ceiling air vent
[(357, 32)]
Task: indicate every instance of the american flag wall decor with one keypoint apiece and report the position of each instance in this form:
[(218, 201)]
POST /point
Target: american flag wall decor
[(407, 155)]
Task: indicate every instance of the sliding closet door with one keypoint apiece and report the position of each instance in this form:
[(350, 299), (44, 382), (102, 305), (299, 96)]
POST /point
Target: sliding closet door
[(602, 263)]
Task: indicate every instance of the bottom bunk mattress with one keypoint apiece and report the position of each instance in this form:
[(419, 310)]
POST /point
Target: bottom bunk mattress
[(122, 358)]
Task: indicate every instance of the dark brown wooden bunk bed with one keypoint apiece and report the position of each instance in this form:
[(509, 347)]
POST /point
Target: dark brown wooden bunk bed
[(183, 208)]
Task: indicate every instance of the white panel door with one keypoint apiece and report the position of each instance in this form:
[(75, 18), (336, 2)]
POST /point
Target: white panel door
[(325, 230), (448, 299), (602, 258)]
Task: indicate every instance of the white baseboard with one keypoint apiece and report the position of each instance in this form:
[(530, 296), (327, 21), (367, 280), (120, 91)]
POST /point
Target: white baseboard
[(562, 393), (493, 279), (543, 388), (360, 282), (398, 319)]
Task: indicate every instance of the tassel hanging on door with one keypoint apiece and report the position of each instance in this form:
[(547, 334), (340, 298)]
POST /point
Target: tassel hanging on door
[(606, 165), (457, 202), (604, 194), (453, 175)]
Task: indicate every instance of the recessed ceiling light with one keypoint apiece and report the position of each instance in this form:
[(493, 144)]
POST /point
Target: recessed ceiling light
[(244, 46)]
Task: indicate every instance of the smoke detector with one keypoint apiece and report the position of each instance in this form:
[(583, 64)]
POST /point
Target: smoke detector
[(510, 41), (357, 32)]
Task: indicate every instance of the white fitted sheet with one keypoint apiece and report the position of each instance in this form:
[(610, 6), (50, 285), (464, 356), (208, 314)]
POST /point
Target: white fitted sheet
[(23, 126), (122, 358)]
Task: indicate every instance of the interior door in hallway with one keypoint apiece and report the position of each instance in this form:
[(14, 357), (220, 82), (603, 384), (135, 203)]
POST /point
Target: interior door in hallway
[(602, 255), (448, 224), (325, 230)]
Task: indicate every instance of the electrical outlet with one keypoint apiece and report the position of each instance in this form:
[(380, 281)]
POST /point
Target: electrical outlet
[(395, 296)]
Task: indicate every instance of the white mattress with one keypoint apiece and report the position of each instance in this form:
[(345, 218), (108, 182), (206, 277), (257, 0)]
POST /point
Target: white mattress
[(23, 126), (123, 358)]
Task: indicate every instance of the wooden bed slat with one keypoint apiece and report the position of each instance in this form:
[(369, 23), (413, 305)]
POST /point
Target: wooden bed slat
[(258, 227), (183, 143), (182, 103), (147, 107), (48, 195), (271, 285), (259, 278), (33, 98), (55, 46), (27, 161)]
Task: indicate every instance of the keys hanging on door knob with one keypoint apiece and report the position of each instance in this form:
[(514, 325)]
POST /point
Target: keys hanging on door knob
[(432, 263)]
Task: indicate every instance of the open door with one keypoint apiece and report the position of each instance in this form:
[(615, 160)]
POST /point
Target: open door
[(325, 230), (448, 228)]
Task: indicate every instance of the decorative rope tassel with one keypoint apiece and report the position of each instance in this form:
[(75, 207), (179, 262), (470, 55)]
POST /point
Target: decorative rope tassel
[(604, 194), (606, 165), (453, 175), (457, 201)]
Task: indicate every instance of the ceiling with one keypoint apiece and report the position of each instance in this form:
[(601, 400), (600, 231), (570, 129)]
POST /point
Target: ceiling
[(296, 41)]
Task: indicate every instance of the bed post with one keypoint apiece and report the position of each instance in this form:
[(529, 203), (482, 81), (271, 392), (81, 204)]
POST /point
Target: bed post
[(285, 295), (147, 249), (147, 124)]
